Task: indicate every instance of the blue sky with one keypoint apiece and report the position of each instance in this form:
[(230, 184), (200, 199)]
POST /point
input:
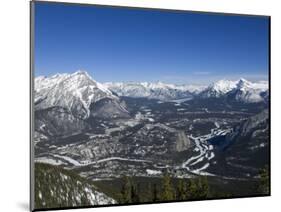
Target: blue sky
[(121, 44)]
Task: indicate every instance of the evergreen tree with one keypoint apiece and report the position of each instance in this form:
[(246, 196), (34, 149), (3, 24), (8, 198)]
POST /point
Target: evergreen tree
[(149, 193), (181, 190), (203, 187), (197, 188), (126, 191), (167, 189), (154, 193), (191, 189), (135, 193), (264, 181)]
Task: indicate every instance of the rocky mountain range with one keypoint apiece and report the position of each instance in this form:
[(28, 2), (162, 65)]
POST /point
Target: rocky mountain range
[(240, 90), (103, 131), (158, 90), (78, 91)]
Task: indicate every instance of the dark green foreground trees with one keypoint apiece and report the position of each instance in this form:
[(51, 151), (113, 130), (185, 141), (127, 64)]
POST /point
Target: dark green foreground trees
[(264, 186), (168, 190)]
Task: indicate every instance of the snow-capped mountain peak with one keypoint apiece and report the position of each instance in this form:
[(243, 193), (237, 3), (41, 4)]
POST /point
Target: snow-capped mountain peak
[(218, 88), (76, 91), (242, 83), (223, 86), (242, 90)]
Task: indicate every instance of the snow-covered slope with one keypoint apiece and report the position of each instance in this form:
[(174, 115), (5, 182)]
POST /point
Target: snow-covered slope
[(75, 92), (158, 90), (240, 90), (218, 88), (56, 187), (246, 91)]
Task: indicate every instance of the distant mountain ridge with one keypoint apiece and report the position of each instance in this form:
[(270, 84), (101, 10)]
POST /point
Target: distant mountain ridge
[(240, 90), (158, 90), (78, 91)]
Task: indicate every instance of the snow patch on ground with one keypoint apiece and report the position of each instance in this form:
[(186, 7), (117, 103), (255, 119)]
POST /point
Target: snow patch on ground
[(49, 161), (153, 172)]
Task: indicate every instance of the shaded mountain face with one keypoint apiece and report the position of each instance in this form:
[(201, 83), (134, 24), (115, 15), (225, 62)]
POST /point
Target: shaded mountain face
[(109, 108), (56, 187), (245, 151), (256, 124), (58, 121), (64, 102)]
